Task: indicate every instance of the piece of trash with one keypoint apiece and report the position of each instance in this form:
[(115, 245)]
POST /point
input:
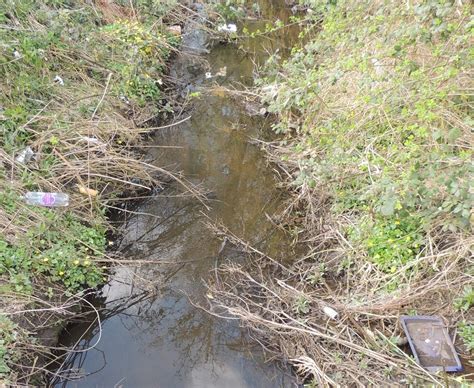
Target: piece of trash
[(87, 191), (430, 343), (222, 72), (59, 80), (16, 54), (227, 28), (208, 75), (175, 30), (262, 111), (46, 199), (25, 156), (377, 66), (124, 99), (330, 312), (92, 140), (209, 296)]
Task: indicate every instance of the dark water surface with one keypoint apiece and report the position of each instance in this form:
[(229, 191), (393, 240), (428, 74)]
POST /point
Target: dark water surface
[(150, 334)]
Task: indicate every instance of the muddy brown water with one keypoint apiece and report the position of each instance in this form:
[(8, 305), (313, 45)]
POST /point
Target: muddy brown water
[(151, 334)]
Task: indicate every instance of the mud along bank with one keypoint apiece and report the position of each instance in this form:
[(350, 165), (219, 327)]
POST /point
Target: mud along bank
[(78, 80)]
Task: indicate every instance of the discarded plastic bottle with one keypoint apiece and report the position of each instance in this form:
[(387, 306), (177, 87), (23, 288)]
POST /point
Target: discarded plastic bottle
[(46, 199)]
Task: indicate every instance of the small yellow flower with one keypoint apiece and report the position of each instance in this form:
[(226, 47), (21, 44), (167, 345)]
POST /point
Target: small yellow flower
[(397, 222), (408, 238), (87, 262), (45, 260), (76, 262), (104, 279), (104, 267), (61, 273)]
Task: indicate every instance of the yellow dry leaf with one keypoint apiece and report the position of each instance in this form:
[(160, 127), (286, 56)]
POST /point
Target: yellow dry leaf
[(87, 191), (219, 91)]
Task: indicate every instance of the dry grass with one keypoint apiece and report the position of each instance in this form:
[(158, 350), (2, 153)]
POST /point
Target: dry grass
[(362, 345), (86, 139), (363, 106)]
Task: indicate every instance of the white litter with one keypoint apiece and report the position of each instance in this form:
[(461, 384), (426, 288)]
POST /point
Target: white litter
[(25, 156), (125, 99), (16, 54), (331, 313), (59, 80), (208, 75), (175, 30), (92, 140), (222, 72), (377, 66), (227, 28)]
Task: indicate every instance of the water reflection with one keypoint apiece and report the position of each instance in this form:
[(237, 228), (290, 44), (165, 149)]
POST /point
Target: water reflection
[(151, 335)]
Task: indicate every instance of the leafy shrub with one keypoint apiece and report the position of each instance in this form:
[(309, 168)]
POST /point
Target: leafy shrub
[(377, 127)]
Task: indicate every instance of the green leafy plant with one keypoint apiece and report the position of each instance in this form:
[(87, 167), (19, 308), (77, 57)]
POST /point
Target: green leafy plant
[(302, 305), (391, 242), (317, 276), (466, 300), (7, 338), (466, 332)]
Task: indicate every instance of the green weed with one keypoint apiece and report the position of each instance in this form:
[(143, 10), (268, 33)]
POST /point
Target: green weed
[(466, 300), (7, 338), (302, 305), (466, 332), (60, 247)]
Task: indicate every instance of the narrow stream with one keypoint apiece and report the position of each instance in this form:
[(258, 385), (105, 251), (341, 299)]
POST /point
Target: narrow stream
[(150, 334)]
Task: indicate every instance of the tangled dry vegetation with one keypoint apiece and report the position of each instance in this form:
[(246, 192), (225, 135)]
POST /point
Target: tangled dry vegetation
[(375, 110), (82, 84)]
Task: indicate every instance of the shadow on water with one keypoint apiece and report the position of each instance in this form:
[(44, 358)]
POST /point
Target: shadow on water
[(150, 334)]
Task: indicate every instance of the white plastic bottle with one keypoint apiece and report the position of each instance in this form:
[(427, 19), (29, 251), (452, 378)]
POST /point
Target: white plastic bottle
[(46, 199)]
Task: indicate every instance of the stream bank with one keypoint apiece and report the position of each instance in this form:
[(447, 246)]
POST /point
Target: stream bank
[(78, 78), (376, 114)]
